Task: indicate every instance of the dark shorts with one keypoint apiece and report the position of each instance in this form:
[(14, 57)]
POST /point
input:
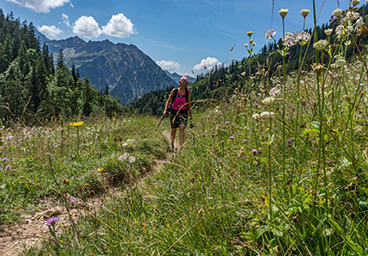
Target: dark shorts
[(178, 117)]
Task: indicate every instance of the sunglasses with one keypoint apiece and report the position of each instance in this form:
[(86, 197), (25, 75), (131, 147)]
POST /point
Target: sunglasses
[(182, 82)]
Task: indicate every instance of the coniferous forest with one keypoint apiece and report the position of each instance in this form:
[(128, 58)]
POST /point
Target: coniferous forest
[(34, 88)]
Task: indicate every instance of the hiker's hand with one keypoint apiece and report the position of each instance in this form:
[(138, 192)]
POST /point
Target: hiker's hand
[(165, 113)]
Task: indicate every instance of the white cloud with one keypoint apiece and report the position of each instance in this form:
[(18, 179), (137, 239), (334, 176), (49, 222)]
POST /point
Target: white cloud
[(208, 64), (50, 31), (65, 19), (87, 27), (168, 65), (119, 26), (40, 5)]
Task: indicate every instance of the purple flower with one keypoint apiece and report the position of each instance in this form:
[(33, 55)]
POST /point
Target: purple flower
[(164, 160), (52, 168), (289, 143), (72, 201), (8, 138), (5, 159), (52, 221), (203, 134), (255, 104), (73, 156), (294, 108), (245, 140), (8, 167), (227, 122), (254, 151), (231, 137)]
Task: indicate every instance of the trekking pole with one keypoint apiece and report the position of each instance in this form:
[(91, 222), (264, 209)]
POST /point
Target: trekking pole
[(159, 123), (162, 118)]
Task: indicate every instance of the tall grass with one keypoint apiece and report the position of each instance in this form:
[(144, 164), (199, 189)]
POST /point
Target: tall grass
[(280, 171)]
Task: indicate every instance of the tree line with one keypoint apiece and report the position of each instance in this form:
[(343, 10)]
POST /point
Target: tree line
[(34, 88)]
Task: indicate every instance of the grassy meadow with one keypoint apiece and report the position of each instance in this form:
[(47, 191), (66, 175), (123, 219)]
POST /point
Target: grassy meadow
[(277, 168)]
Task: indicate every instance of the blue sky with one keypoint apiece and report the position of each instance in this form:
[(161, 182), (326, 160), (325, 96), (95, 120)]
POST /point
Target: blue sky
[(180, 35)]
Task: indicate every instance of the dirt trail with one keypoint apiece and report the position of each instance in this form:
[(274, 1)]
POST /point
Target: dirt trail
[(33, 229)]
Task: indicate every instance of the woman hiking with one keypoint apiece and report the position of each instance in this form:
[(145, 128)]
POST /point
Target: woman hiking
[(181, 105)]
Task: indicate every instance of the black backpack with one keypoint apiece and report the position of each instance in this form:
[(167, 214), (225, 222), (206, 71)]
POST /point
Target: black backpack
[(176, 92)]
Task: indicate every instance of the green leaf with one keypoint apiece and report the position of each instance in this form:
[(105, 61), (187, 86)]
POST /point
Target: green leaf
[(310, 130)]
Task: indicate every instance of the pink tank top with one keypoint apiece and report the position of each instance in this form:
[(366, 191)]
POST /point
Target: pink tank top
[(179, 102)]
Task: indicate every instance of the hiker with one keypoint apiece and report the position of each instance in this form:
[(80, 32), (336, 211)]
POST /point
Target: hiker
[(180, 99)]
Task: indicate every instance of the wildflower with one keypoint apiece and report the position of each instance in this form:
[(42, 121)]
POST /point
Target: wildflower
[(356, 2), (231, 137), (76, 124), (245, 45), (124, 156), (245, 140), (249, 33), (8, 138), (132, 159), (67, 181), (256, 117), (5, 159), (8, 167), (328, 32), (270, 34), (337, 13), (254, 151), (283, 12), (268, 100), (265, 115), (72, 201), (203, 135), (302, 37), (289, 39), (340, 62), (359, 23), (305, 12), (318, 68), (100, 169), (253, 44), (164, 160), (339, 29), (86, 185), (227, 122), (320, 45), (274, 91), (289, 143), (52, 221), (293, 108), (73, 156), (255, 105)]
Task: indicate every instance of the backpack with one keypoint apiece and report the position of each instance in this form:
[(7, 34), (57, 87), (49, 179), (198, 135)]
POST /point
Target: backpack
[(176, 92)]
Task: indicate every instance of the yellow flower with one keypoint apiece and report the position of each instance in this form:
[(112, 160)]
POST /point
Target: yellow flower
[(67, 181), (305, 12), (283, 12), (86, 185), (100, 169), (249, 33), (76, 123)]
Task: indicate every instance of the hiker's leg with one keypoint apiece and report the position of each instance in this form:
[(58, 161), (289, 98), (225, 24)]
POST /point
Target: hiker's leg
[(173, 134), (181, 134)]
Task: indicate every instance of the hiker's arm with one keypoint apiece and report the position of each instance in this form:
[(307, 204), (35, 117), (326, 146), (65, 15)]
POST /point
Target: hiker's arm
[(169, 100), (190, 105)]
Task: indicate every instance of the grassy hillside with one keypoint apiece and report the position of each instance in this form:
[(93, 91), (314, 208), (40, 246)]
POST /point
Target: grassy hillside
[(265, 171)]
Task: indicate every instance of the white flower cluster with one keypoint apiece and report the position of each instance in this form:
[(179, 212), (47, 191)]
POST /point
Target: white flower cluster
[(268, 100), (291, 39), (347, 25), (264, 115)]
